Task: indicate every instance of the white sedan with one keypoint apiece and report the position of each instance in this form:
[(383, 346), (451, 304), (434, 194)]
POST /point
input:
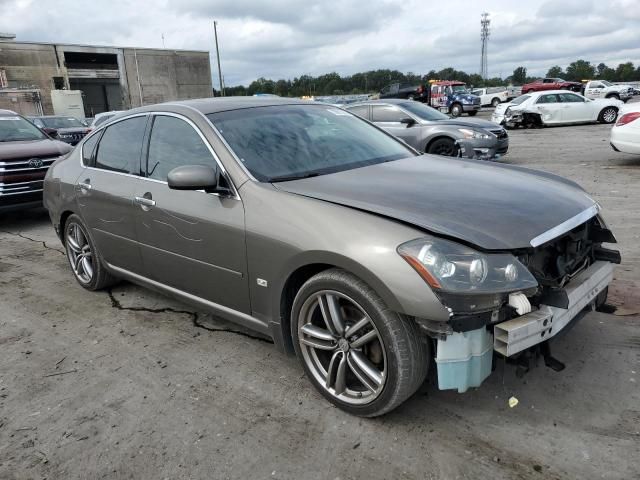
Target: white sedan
[(625, 134), (555, 107)]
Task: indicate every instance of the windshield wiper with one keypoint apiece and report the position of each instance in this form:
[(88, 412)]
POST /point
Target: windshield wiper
[(286, 178)]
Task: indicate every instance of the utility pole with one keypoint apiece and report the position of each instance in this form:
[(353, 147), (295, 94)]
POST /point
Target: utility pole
[(215, 32), (484, 36), (163, 41)]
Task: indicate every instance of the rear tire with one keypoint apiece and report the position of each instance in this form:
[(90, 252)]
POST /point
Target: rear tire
[(495, 102), (608, 115), (84, 258), (326, 308), (443, 146)]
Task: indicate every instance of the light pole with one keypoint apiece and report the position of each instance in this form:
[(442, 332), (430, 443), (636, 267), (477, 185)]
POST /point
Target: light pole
[(215, 33)]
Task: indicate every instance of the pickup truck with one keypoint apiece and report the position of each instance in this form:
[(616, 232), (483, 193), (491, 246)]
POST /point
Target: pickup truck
[(603, 89), (551, 84), (405, 90), (491, 96)]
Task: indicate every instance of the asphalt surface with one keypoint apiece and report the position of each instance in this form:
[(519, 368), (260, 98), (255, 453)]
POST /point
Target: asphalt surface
[(128, 384)]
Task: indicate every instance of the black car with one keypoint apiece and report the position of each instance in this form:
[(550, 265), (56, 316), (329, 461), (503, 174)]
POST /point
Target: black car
[(67, 129), (405, 90)]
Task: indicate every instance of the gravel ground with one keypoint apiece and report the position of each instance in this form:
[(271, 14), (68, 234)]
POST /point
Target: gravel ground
[(129, 384)]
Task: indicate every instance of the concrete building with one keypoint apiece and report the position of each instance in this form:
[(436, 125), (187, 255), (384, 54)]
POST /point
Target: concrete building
[(111, 78)]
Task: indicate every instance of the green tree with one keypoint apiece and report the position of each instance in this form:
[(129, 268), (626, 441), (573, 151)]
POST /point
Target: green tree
[(580, 70), (519, 76), (555, 72), (625, 72)]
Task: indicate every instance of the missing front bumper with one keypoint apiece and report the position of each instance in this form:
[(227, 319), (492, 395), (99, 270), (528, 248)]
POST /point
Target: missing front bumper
[(520, 333)]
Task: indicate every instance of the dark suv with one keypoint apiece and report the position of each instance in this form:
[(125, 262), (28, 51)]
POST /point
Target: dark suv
[(25, 156), (405, 90), (67, 129)]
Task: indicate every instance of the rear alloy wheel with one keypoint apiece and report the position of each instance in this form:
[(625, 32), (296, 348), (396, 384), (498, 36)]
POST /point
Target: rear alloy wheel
[(360, 355), (456, 110), (608, 115), (83, 256), (443, 146)]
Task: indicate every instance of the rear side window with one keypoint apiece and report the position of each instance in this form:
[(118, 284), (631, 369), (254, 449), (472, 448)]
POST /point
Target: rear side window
[(88, 148), (175, 143), (548, 99), (570, 98), (387, 113), (360, 110), (120, 146)]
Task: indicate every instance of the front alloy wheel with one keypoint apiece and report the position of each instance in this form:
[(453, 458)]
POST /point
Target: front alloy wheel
[(608, 115), (363, 357)]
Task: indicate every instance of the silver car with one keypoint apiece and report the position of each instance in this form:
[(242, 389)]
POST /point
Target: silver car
[(349, 248), (428, 130)]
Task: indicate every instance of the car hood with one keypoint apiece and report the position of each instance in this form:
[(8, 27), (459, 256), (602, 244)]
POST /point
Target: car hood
[(469, 123), (490, 206), (35, 148)]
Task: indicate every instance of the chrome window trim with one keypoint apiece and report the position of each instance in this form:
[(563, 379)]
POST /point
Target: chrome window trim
[(235, 195), (565, 226)]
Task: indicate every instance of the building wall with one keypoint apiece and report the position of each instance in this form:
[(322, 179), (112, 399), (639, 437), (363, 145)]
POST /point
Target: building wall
[(145, 76), (31, 66), (157, 76)]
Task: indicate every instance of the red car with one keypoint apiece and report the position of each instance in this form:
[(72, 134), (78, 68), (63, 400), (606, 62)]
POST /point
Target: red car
[(551, 84)]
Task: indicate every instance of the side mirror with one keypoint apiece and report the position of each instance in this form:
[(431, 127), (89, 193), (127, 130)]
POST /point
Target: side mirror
[(52, 132), (194, 177), (408, 121)]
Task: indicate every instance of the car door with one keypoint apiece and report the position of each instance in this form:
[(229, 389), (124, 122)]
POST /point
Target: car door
[(388, 118), (549, 108), (595, 90), (192, 241), (105, 190), (575, 108), (548, 84)]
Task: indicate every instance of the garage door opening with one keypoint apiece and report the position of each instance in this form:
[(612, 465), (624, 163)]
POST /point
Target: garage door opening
[(99, 94)]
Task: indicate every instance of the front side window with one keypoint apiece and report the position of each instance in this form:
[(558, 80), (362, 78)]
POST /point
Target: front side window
[(386, 113), (548, 99), (549, 80), (120, 146), (174, 143), (570, 98), (15, 128), (292, 141)]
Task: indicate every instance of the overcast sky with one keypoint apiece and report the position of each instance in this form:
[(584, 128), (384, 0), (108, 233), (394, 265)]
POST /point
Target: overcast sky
[(287, 38)]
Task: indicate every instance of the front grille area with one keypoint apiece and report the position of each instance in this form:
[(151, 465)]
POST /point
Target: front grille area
[(501, 133), (23, 175), (71, 137)]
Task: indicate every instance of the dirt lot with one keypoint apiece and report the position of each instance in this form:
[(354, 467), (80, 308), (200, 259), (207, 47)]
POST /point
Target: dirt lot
[(128, 384)]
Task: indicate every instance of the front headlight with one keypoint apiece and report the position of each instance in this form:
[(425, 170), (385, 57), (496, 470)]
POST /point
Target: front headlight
[(465, 279), (468, 133)]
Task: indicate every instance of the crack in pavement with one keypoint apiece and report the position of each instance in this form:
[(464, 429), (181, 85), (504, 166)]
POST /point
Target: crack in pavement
[(115, 303), (44, 243)]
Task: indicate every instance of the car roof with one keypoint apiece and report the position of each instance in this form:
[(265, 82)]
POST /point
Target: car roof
[(391, 101), (222, 104), (52, 116), (545, 92), (7, 112)]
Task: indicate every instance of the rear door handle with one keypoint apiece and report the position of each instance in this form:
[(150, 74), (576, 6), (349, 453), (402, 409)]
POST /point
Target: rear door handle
[(146, 202)]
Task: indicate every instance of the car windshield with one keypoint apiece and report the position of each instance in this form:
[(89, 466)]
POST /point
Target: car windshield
[(459, 88), (61, 122), (278, 143), (15, 128), (423, 111), (520, 99)]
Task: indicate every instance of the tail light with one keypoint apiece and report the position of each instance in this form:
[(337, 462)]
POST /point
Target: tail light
[(627, 118)]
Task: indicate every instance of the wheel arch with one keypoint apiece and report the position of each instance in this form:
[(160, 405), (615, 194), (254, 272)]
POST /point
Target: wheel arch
[(63, 220), (305, 268)]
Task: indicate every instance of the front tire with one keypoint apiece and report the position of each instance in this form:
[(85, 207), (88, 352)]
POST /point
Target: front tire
[(608, 115), (83, 256), (363, 357), (443, 146), (456, 110)]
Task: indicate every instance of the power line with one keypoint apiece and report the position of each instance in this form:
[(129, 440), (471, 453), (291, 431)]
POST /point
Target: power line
[(484, 36)]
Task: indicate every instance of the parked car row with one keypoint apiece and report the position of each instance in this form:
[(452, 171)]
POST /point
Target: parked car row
[(348, 247)]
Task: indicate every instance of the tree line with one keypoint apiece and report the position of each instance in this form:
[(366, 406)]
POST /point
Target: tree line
[(374, 80)]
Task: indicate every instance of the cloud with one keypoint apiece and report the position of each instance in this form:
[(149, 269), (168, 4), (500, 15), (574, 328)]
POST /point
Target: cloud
[(287, 38)]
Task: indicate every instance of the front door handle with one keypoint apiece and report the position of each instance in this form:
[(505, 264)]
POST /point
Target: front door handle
[(145, 202), (85, 185)]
